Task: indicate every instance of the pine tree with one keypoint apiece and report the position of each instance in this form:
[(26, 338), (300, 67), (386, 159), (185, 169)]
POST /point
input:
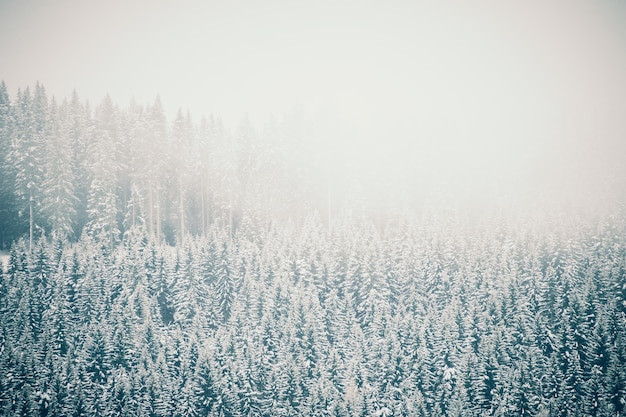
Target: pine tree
[(190, 291), (102, 200), (224, 285), (615, 379), (156, 159), (79, 129), (9, 226), (59, 199), (183, 171), (26, 156)]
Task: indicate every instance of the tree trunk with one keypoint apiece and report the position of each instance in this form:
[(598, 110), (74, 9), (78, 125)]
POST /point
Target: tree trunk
[(328, 201), (158, 216), (230, 215), (150, 214), (182, 208), (31, 223), (202, 208)]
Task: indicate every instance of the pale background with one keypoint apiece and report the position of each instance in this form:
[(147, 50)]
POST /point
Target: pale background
[(486, 89)]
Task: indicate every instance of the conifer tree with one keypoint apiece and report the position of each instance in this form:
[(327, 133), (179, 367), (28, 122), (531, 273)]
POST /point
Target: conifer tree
[(181, 160), (59, 199), (77, 125), (102, 199), (156, 160), (9, 229), (26, 156)]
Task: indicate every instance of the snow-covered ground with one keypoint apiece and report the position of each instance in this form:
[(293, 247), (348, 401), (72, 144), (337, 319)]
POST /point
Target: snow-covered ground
[(4, 260)]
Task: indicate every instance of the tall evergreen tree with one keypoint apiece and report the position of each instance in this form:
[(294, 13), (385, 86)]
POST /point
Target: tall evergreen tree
[(77, 125), (157, 159), (27, 154), (9, 226), (59, 199), (102, 199), (182, 172)]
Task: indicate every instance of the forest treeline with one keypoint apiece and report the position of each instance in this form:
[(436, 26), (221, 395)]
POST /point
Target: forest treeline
[(67, 169), (429, 319)]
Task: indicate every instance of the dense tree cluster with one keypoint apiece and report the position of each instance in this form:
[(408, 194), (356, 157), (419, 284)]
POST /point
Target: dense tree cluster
[(165, 269), (428, 318), (67, 169)]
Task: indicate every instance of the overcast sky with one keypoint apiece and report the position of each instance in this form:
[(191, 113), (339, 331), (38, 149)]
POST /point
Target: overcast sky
[(492, 80)]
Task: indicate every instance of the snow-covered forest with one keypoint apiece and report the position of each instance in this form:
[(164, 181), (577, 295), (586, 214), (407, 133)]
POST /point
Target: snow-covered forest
[(165, 268)]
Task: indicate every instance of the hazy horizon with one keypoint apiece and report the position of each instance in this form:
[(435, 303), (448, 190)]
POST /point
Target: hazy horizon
[(465, 97)]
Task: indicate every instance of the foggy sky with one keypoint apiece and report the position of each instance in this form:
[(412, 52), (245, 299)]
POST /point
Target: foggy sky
[(464, 91)]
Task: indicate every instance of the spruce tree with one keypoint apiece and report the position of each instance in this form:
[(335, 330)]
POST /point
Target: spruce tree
[(59, 199), (102, 199)]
